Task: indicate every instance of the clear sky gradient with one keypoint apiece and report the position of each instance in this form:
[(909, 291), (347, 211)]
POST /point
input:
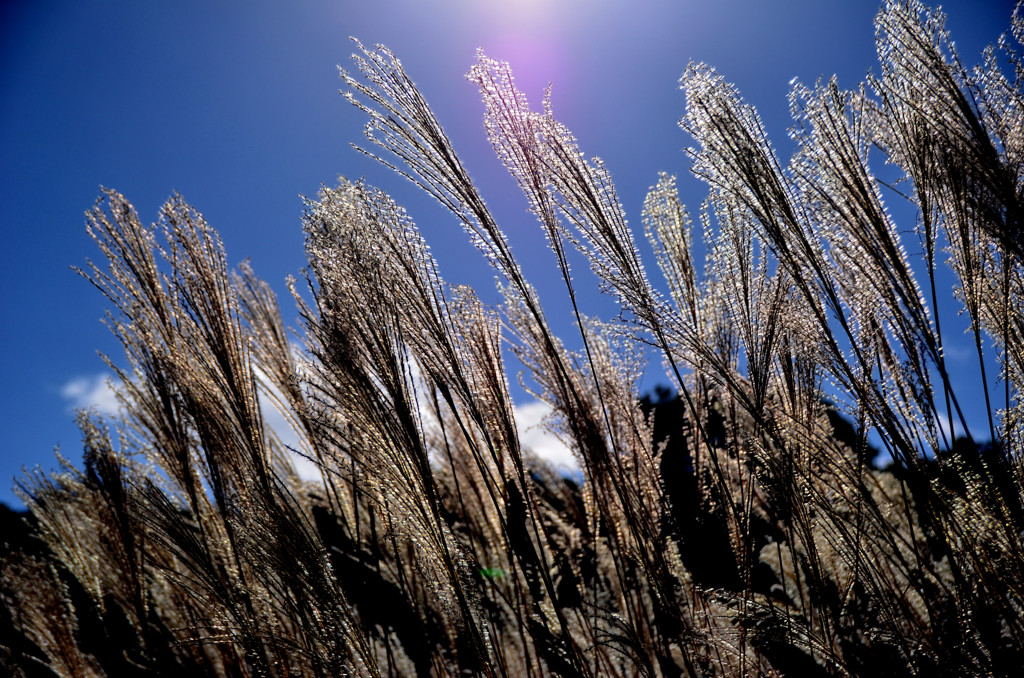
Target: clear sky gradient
[(235, 105)]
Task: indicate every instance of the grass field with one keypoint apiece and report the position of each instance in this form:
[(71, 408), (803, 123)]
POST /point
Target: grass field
[(735, 524)]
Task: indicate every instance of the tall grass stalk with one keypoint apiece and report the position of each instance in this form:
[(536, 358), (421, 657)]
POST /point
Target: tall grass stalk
[(739, 528)]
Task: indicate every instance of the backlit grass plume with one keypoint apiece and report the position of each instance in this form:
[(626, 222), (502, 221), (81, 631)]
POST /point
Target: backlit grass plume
[(735, 524)]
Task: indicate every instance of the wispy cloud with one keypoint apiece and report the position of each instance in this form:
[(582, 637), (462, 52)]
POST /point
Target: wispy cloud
[(958, 349), (92, 392), (534, 435), (276, 422), (955, 431)]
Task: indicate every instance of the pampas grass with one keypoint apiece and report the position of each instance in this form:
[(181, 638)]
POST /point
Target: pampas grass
[(740, 527)]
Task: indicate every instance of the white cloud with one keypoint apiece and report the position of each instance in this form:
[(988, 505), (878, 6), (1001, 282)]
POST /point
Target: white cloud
[(91, 392), (959, 350), (944, 429), (276, 423), (96, 392), (534, 436), (957, 429)]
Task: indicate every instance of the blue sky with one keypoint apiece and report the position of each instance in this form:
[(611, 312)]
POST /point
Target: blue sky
[(236, 106)]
